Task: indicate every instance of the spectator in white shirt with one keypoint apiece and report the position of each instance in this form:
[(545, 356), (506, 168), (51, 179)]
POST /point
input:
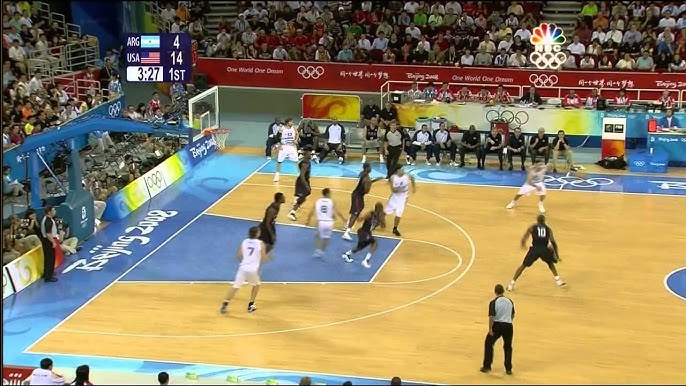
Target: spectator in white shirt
[(516, 9), (645, 62), (380, 42), (248, 37), (681, 23), (69, 113), (663, 35), (467, 59), (599, 35), (411, 7), (168, 13), (523, 33), (506, 43), (587, 62), (576, 47), (322, 55), (634, 33), (280, 53), (517, 59), (45, 376), (364, 43), (176, 25), (413, 31), (280, 25), (63, 97), (455, 6), (18, 54), (626, 63), (667, 21), (670, 8), (256, 10), (424, 43), (512, 21), (613, 38), (438, 7), (487, 45), (36, 83), (367, 6)]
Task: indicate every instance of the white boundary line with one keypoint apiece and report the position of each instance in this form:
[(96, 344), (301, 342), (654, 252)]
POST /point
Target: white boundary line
[(292, 224), (89, 301), (499, 186), (667, 286), (227, 368), (227, 282), (388, 258)]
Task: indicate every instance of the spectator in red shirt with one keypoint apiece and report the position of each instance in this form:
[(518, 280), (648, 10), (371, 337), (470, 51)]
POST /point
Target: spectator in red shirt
[(16, 135), (571, 100), (155, 103)]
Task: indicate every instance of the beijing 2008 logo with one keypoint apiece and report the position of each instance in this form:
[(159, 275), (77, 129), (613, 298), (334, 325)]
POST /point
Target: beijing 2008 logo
[(547, 40)]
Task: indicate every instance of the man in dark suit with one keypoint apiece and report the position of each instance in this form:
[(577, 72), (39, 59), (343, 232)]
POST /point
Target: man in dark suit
[(531, 97)]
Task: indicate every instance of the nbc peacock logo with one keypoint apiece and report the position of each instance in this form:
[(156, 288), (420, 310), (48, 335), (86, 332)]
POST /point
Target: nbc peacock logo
[(547, 40)]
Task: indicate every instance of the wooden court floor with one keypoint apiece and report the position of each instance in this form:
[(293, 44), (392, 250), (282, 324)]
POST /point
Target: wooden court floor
[(425, 316)]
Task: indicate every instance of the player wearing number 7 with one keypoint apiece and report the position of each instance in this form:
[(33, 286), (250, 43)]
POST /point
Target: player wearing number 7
[(325, 210), (251, 254), (543, 246)]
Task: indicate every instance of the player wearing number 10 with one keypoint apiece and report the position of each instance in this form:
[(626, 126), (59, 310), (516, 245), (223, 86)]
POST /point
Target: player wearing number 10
[(251, 254)]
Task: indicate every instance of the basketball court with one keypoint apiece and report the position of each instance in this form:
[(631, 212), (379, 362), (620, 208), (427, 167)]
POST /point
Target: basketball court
[(420, 312)]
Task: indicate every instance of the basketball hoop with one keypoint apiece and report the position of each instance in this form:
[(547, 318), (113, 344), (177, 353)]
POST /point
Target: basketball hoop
[(220, 135)]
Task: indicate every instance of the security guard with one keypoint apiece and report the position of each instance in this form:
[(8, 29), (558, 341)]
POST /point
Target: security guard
[(501, 311), (50, 240)]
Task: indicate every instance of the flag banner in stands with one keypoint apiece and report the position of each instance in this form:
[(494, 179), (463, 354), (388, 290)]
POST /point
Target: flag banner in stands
[(364, 77)]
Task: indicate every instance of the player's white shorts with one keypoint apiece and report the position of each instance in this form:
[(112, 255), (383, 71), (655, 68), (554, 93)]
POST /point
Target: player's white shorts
[(396, 205), (325, 229), (287, 152), (246, 276), (527, 189)]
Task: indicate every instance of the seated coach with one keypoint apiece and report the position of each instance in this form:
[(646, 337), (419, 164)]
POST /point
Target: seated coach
[(335, 141), (470, 143), (539, 146), (494, 145), (444, 143), (516, 147)]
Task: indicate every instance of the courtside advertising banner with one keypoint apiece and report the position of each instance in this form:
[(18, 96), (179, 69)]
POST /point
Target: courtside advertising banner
[(26, 269), (7, 286)]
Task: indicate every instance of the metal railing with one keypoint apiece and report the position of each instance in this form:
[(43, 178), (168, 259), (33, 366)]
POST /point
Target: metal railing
[(69, 57), (637, 95), (155, 10), (67, 29)]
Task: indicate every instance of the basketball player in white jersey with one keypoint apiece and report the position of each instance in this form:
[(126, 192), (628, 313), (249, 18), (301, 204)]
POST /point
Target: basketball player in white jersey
[(534, 183), (325, 211), (400, 183), (251, 254), (287, 147)]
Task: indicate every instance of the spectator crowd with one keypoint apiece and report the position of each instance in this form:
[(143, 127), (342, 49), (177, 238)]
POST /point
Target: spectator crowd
[(646, 36)]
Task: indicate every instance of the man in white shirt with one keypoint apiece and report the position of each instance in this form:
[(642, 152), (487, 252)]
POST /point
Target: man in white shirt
[(487, 45), (523, 32), (587, 62), (517, 59), (411, 7), (241, 24), (467, 59), (168, 13), (17, 53), (681, 23), (455, 6), (335, 141), (413, 31), (506, 43), (364, 43), (280, 53), (614, 37), (667, 21), (570, 63), (576, 47), (45, 376), (35, 83)]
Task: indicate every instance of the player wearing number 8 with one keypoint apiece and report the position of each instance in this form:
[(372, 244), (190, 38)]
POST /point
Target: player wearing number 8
[(251, 254), (543, 246), (325, 210)]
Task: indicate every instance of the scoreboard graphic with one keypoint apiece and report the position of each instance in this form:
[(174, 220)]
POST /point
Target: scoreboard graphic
[(159, 58)]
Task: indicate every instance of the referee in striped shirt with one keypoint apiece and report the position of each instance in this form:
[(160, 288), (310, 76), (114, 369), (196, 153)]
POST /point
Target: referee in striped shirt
[(501, 311)]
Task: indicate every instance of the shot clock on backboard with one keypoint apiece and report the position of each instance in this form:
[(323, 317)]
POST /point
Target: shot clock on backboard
[(164, 58)]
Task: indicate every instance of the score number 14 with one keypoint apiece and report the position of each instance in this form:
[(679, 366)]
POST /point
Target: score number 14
[(176, 75)]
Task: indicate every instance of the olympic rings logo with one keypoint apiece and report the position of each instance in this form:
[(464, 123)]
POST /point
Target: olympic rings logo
[(576, 182), (310, 72), (519, 118), (155, 181), (114, 109), (639, 163), (543, 80), (548, 60)]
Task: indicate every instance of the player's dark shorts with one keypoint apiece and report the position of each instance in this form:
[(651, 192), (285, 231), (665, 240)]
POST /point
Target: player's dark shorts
[(544, 253), (302, 189), (306, 142), (266, 237), (364, 239), (356, 204)]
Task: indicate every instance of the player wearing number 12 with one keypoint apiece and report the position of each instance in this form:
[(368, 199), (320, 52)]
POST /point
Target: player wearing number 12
[(543, 246), (325, 211), (251, 254)]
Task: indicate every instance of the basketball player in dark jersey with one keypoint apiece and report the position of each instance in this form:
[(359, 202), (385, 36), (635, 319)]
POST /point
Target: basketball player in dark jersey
[(364, 184), (308, 137), (268, 224), (365, 237), (302, 183), (543, 246), (371, 139)]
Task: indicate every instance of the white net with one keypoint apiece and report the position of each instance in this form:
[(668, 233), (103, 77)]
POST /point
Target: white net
[(220, 135), (203, 110)]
